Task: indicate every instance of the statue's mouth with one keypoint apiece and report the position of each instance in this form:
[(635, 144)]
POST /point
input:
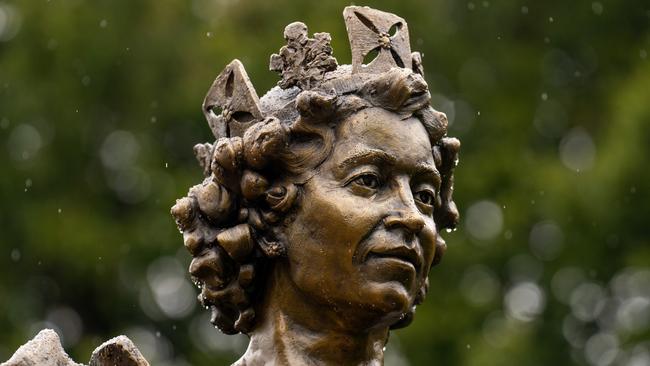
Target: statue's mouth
[(402, 253)]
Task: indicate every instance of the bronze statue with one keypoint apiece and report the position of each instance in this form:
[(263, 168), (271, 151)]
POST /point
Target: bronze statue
[(319, 216)]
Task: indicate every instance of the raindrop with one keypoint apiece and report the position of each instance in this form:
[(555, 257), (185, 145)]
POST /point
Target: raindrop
[(171, 291), (154, 348), (524, 301), (577, 150), (103, 23), (546, 240), (551, 20), (484, 220), (209, 34), (587, 301), (119, 150), (544, 96), (601, 349), (565, 281), (524, 10), (68, 321), (24, 142), (205, 338), (634, 314), (471, 6), (597, 7), (28, 182), (643, 54), (10, 22), (550, 118), (59, 210), (479, 285), (495, 330), (573, 331), (166, 165), (15, 255)]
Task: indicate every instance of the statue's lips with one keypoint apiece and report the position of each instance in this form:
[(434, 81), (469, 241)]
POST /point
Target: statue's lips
[(402, 253)]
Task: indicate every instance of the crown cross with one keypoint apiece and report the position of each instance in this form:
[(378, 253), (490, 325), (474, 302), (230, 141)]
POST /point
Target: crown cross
[(232, 104), (369, 31)]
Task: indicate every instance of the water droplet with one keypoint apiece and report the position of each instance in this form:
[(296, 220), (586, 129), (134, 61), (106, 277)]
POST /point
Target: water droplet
[(524, 10), (15, 255), (544, 96), (597, 7), (643, 54), (209, 34), (468, 346), (103, 23), (59, 210), (471, 6), (166, 165), (154, 119), (28, 182), (551, 20)]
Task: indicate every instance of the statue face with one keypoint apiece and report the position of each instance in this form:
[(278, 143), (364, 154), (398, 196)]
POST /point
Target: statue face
[(363, 236)]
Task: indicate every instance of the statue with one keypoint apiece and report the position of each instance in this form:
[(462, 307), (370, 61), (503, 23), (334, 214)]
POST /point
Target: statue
[(319, 216)]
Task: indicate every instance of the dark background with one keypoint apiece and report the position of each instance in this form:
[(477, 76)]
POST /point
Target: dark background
[(100, 107)]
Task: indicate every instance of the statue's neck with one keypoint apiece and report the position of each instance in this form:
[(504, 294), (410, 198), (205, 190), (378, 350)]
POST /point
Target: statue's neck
[(293, 331)]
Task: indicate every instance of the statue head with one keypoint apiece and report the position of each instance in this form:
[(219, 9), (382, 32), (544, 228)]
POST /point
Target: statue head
[(330, 190)]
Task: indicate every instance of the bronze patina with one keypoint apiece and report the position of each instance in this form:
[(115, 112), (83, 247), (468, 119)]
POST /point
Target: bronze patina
[(318, 219)]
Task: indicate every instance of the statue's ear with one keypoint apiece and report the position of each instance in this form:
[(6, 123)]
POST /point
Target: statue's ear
[(447, 216), (232, 105)]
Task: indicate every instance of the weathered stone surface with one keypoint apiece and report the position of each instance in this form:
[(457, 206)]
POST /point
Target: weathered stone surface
[(119, 351), (44, 350)]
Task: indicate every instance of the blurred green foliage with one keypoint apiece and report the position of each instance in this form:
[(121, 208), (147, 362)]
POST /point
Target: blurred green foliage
[(99, 110)]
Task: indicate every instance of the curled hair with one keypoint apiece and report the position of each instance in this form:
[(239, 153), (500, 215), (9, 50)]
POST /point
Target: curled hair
[(231, 221)]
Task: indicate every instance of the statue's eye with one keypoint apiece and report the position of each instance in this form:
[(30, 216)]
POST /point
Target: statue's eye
[(425, 196), (369, 181)]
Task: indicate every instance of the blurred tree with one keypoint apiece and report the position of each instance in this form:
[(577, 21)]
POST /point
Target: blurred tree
[(99, 110)]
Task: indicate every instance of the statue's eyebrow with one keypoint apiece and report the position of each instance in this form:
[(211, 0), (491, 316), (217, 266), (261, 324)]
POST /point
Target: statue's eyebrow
[(367, 156), (429, 171)]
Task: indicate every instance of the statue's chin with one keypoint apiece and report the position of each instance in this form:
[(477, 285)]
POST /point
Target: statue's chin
[(386, 303)]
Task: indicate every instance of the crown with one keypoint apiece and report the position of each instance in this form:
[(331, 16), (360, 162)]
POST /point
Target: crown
[(304, 63)]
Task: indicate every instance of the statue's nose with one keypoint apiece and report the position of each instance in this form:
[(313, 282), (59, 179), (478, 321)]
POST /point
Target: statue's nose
[(405, 214), (406, 219)]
